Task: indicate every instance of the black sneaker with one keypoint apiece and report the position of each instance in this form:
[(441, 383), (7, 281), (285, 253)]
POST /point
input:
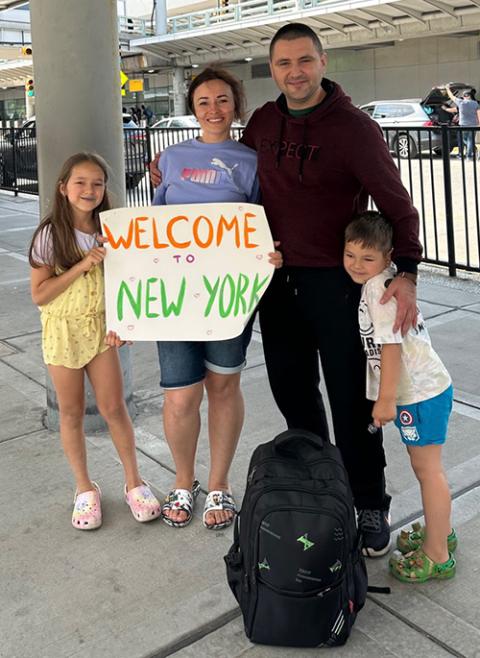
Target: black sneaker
[(374, 526)]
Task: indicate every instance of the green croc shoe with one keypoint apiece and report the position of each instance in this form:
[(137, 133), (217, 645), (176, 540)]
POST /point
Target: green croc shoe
[(410, 540), (417, 567)]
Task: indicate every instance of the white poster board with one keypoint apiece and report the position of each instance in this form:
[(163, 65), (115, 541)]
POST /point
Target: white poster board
[(185, 272)]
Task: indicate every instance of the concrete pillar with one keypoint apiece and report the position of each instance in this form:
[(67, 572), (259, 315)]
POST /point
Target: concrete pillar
[(78, 108), (179, 104), (161, 17)]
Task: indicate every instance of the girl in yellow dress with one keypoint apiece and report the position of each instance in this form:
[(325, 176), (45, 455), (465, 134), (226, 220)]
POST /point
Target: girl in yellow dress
[(67, 285)]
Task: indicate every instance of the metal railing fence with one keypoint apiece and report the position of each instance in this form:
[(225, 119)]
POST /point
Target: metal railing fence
[(439, 166)]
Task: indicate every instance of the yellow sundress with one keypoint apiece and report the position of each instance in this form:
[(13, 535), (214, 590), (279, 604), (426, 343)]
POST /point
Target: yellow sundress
[(73, 324)]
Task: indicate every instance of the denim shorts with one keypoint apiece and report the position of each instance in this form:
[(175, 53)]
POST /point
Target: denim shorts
[(426, 422), (184, 363)]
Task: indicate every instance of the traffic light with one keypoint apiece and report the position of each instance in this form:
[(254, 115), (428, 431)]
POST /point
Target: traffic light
[(27, 50), (29, 88)]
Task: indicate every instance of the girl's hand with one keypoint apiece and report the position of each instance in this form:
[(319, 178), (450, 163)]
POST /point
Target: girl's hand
[(383, 412), (92, 258), (112, 339), (275, 258)]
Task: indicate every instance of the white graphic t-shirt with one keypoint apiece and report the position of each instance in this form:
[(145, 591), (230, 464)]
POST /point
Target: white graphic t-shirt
[(423, 375)]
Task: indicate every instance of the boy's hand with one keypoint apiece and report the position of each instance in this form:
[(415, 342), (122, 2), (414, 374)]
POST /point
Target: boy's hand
[(275, 258), (405, 292), (383, 412), (92, 258), (155, 175)]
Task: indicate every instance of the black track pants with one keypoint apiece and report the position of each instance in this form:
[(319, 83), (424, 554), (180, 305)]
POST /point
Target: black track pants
[(308, 312)]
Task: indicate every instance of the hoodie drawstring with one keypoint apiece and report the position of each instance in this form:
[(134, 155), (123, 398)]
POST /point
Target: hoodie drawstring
[(279, 151), (302, 152)]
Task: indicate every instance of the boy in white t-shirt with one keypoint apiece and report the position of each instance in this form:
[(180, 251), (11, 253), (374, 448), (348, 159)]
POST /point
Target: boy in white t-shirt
[(411, 386)]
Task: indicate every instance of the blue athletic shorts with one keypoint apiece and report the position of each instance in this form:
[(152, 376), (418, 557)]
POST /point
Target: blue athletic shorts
[(425, 423), (184, 363)]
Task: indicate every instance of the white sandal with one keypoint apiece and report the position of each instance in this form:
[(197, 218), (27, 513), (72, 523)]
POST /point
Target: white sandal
[(180, 500), (219, 501)]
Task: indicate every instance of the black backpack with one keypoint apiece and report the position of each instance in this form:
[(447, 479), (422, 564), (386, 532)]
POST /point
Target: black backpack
[(295, 566)]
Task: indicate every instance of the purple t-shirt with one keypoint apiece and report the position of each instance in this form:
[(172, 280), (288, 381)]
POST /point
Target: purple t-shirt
[(196, 172)]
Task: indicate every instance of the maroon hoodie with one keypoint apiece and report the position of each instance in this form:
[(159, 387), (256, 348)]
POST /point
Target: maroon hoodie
[(316, 173)]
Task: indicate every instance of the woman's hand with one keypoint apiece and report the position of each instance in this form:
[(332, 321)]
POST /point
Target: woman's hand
[(275, 258), (112, 339), (92, 258)]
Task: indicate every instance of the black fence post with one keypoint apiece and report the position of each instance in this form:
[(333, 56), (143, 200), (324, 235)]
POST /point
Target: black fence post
[(14, 161), (149, 159), (447, 187)]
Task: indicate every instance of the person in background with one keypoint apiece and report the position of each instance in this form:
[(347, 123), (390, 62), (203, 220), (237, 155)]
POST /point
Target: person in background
[(147, 114), (468, 117)]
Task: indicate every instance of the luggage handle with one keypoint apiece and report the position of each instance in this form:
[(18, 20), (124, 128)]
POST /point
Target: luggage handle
[(286, 439)]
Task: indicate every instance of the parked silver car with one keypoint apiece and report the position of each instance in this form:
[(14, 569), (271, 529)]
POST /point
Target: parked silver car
[(415, 114)]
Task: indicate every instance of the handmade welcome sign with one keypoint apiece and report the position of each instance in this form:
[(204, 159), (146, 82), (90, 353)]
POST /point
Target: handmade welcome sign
[(185, 272)]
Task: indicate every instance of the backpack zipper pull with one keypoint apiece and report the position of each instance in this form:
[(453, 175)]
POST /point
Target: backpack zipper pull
[(251, 474)]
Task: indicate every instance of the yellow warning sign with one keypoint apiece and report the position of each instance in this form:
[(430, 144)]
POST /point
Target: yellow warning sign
[(135, 85), (123, 81)]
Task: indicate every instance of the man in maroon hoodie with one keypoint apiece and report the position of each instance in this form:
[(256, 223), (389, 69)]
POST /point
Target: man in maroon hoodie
[(319, 158)]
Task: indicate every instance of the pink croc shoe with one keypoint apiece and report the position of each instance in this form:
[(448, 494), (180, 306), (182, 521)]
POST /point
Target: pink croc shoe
[(87, 511), (142, 502)]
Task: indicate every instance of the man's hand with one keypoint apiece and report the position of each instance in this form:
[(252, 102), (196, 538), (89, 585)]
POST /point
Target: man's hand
[(155, 175), (405, 292), (383, 412)]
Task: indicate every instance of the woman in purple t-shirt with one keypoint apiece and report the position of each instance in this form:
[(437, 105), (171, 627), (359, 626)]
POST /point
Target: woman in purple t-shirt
[(211, 168)]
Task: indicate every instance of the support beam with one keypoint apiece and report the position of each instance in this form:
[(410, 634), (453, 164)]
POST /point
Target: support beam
[(179, 105), (78, 108), (387, 20), (443, 7), (356, 21), (160, 17), (411, 12)]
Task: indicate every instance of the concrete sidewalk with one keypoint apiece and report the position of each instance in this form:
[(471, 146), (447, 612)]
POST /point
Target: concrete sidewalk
[(131, 590)]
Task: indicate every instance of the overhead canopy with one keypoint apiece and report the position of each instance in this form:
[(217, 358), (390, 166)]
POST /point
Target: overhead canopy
[(245, 29), (11, 4)]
